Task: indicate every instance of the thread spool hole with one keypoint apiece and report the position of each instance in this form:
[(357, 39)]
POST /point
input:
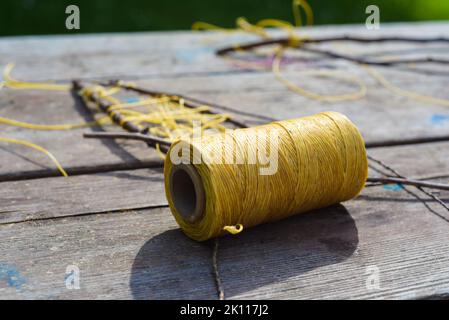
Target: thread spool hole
[(187, 192)]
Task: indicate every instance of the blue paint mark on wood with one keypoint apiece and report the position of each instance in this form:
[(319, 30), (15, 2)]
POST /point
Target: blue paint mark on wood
[(439, 119), (394, 187), (132, 100), (191, 55), (12, 276)]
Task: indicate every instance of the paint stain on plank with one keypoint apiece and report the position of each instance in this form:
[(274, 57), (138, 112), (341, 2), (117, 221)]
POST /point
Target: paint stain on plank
[(439, 119), (11, 276), (393, 187)]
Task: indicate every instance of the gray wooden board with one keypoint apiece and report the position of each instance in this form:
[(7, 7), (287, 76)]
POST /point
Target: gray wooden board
[(73, 151), (115, 226), (84, 194), (156, 54), (141, 253), (184, 62), (322, 254), (135, 189), (380, 116)]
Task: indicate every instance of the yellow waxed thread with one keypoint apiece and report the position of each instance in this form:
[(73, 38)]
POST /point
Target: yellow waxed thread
[(296, 5), (243, 24), (321, 161), (167, 115), (200, 25), (38, 148), (53, 127), (10, 82), (402, 92), (259, 29), (360, 93)]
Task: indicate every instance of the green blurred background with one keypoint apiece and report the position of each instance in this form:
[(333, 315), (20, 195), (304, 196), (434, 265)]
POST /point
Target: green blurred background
[(25, 17)]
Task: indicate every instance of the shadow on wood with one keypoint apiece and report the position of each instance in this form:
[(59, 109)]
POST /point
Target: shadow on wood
[(171, 266)]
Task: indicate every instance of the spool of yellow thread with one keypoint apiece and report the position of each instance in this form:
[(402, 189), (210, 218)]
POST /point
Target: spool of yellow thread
[(215, 182)]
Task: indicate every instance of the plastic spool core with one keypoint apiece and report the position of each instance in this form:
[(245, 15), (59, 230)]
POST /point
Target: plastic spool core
[(187, 192)]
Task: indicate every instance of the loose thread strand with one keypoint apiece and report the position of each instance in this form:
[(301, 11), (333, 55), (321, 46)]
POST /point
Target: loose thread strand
[(38, 148)]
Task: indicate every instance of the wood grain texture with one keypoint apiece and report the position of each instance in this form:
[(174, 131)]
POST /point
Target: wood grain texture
[(110, 217), (136, 189), (327, 254), (377, 119), (106, 250), (161, 54), (322, 254), (142, 254), (419, 160), (163, 66), (73, 151), (79, 195), (380, 116)]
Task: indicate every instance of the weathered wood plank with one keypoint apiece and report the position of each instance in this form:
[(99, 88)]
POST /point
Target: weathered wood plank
[(105, 249), (84, 194), (162, 56), (136, 189), (48, 224), (379, 119), (381, 115), (158, 53), (325, 258), (114, 55), (419, 161), (73, 151), (142, 253), (322, 254)]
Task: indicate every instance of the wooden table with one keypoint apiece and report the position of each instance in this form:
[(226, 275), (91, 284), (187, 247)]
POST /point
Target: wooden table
[(110, 217)]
